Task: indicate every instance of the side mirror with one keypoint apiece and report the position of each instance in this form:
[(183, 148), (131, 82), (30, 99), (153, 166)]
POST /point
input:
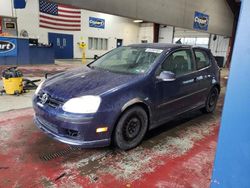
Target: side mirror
[(166, 76)]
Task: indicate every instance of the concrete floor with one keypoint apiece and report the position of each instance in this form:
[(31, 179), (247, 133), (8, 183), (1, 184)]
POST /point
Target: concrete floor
[(9, 102), (177, 154)]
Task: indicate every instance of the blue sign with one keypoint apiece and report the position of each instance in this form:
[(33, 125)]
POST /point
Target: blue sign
[(19, 4), (201, 21), (96, 22), (8, 47)]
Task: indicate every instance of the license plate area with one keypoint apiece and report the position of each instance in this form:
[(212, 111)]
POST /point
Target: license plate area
[(49, 125)]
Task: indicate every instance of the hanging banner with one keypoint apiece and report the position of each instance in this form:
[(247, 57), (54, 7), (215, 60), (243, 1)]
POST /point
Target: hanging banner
[(8, 47), (201, 21), (96, 22)]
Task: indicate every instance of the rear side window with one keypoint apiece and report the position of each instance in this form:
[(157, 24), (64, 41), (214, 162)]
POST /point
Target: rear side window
[(179, 62), (202, 59)]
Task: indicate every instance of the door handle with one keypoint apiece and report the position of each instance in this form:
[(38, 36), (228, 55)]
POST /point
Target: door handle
[(198, 78)]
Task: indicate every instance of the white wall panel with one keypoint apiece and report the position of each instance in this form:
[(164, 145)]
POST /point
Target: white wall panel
[(219, 47), (6, 7), (180, 32), (166, 34), (146, 32)]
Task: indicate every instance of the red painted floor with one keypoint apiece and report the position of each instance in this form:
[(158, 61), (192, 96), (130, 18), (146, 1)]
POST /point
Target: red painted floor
[(178, 154)]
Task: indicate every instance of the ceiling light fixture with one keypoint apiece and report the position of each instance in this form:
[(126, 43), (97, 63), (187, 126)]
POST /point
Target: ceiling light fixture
[(138, 21)]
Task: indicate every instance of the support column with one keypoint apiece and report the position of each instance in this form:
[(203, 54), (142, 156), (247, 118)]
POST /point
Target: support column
[(156, 32), (232, 162)]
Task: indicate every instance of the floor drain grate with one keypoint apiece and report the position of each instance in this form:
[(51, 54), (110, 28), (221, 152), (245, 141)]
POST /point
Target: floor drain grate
[(61, 153)]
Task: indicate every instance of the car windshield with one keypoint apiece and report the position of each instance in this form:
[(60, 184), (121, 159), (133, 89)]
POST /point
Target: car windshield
[(128, 60)]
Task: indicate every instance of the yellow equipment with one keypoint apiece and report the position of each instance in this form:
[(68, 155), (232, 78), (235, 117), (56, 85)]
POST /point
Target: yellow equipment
[(83, 46), (13, 85)]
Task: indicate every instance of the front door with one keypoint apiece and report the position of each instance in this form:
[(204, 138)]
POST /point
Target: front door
[(180, 95), (63, 45)]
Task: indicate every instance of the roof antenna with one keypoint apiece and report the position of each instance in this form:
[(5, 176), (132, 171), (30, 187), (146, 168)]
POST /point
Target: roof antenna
[(178, 42)]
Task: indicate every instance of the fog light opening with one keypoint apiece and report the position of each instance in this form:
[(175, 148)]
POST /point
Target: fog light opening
[(73, 133), (101, 129)]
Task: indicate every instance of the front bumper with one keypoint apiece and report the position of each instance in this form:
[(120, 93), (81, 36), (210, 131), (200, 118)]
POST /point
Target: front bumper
[(95, 143), (74, 129)]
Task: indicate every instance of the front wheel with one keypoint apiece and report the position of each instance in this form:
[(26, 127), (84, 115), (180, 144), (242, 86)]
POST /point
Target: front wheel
[(131, 128), (211, 101)]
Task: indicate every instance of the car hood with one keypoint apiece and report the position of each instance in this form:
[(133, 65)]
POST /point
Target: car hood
[(85, 81)]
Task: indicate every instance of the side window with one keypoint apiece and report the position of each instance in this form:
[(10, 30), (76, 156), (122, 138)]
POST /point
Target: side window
[(179, 62), (202, 59)]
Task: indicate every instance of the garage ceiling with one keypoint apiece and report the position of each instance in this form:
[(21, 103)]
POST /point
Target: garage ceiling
[(178, 13)]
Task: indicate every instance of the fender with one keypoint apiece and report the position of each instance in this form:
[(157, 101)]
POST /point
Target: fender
[(137, 101)]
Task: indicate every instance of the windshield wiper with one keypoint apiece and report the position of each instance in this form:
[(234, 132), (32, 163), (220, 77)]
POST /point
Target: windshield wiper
[(91, 67)]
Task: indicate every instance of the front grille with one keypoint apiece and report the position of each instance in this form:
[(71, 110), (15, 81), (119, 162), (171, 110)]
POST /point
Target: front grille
[(52, 102), (55, 103), (48, 125)]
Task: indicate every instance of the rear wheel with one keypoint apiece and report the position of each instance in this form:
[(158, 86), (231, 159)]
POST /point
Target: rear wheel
[(131, 128), (211, 101)]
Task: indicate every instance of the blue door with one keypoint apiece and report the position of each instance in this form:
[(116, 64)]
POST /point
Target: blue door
[(63, 45), (182, 94)]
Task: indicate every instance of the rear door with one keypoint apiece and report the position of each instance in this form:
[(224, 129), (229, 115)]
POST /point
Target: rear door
[(180, 95), (204, 76)]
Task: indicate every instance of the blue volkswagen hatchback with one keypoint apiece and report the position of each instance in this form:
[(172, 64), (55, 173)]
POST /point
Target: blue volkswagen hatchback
[(126, 92)]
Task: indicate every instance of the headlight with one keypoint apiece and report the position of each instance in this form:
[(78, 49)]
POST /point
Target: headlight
[(82, 105), (39, 88)]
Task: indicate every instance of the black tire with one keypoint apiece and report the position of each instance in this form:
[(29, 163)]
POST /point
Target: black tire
[(131, 128), (211, 101)]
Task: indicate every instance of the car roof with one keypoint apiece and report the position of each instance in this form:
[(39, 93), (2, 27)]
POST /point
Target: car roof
[(164, 46)]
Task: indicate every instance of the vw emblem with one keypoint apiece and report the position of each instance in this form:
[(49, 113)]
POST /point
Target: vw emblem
[(44, 98)]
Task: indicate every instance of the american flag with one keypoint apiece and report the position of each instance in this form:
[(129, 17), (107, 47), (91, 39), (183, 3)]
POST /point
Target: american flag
[(59, 17)]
